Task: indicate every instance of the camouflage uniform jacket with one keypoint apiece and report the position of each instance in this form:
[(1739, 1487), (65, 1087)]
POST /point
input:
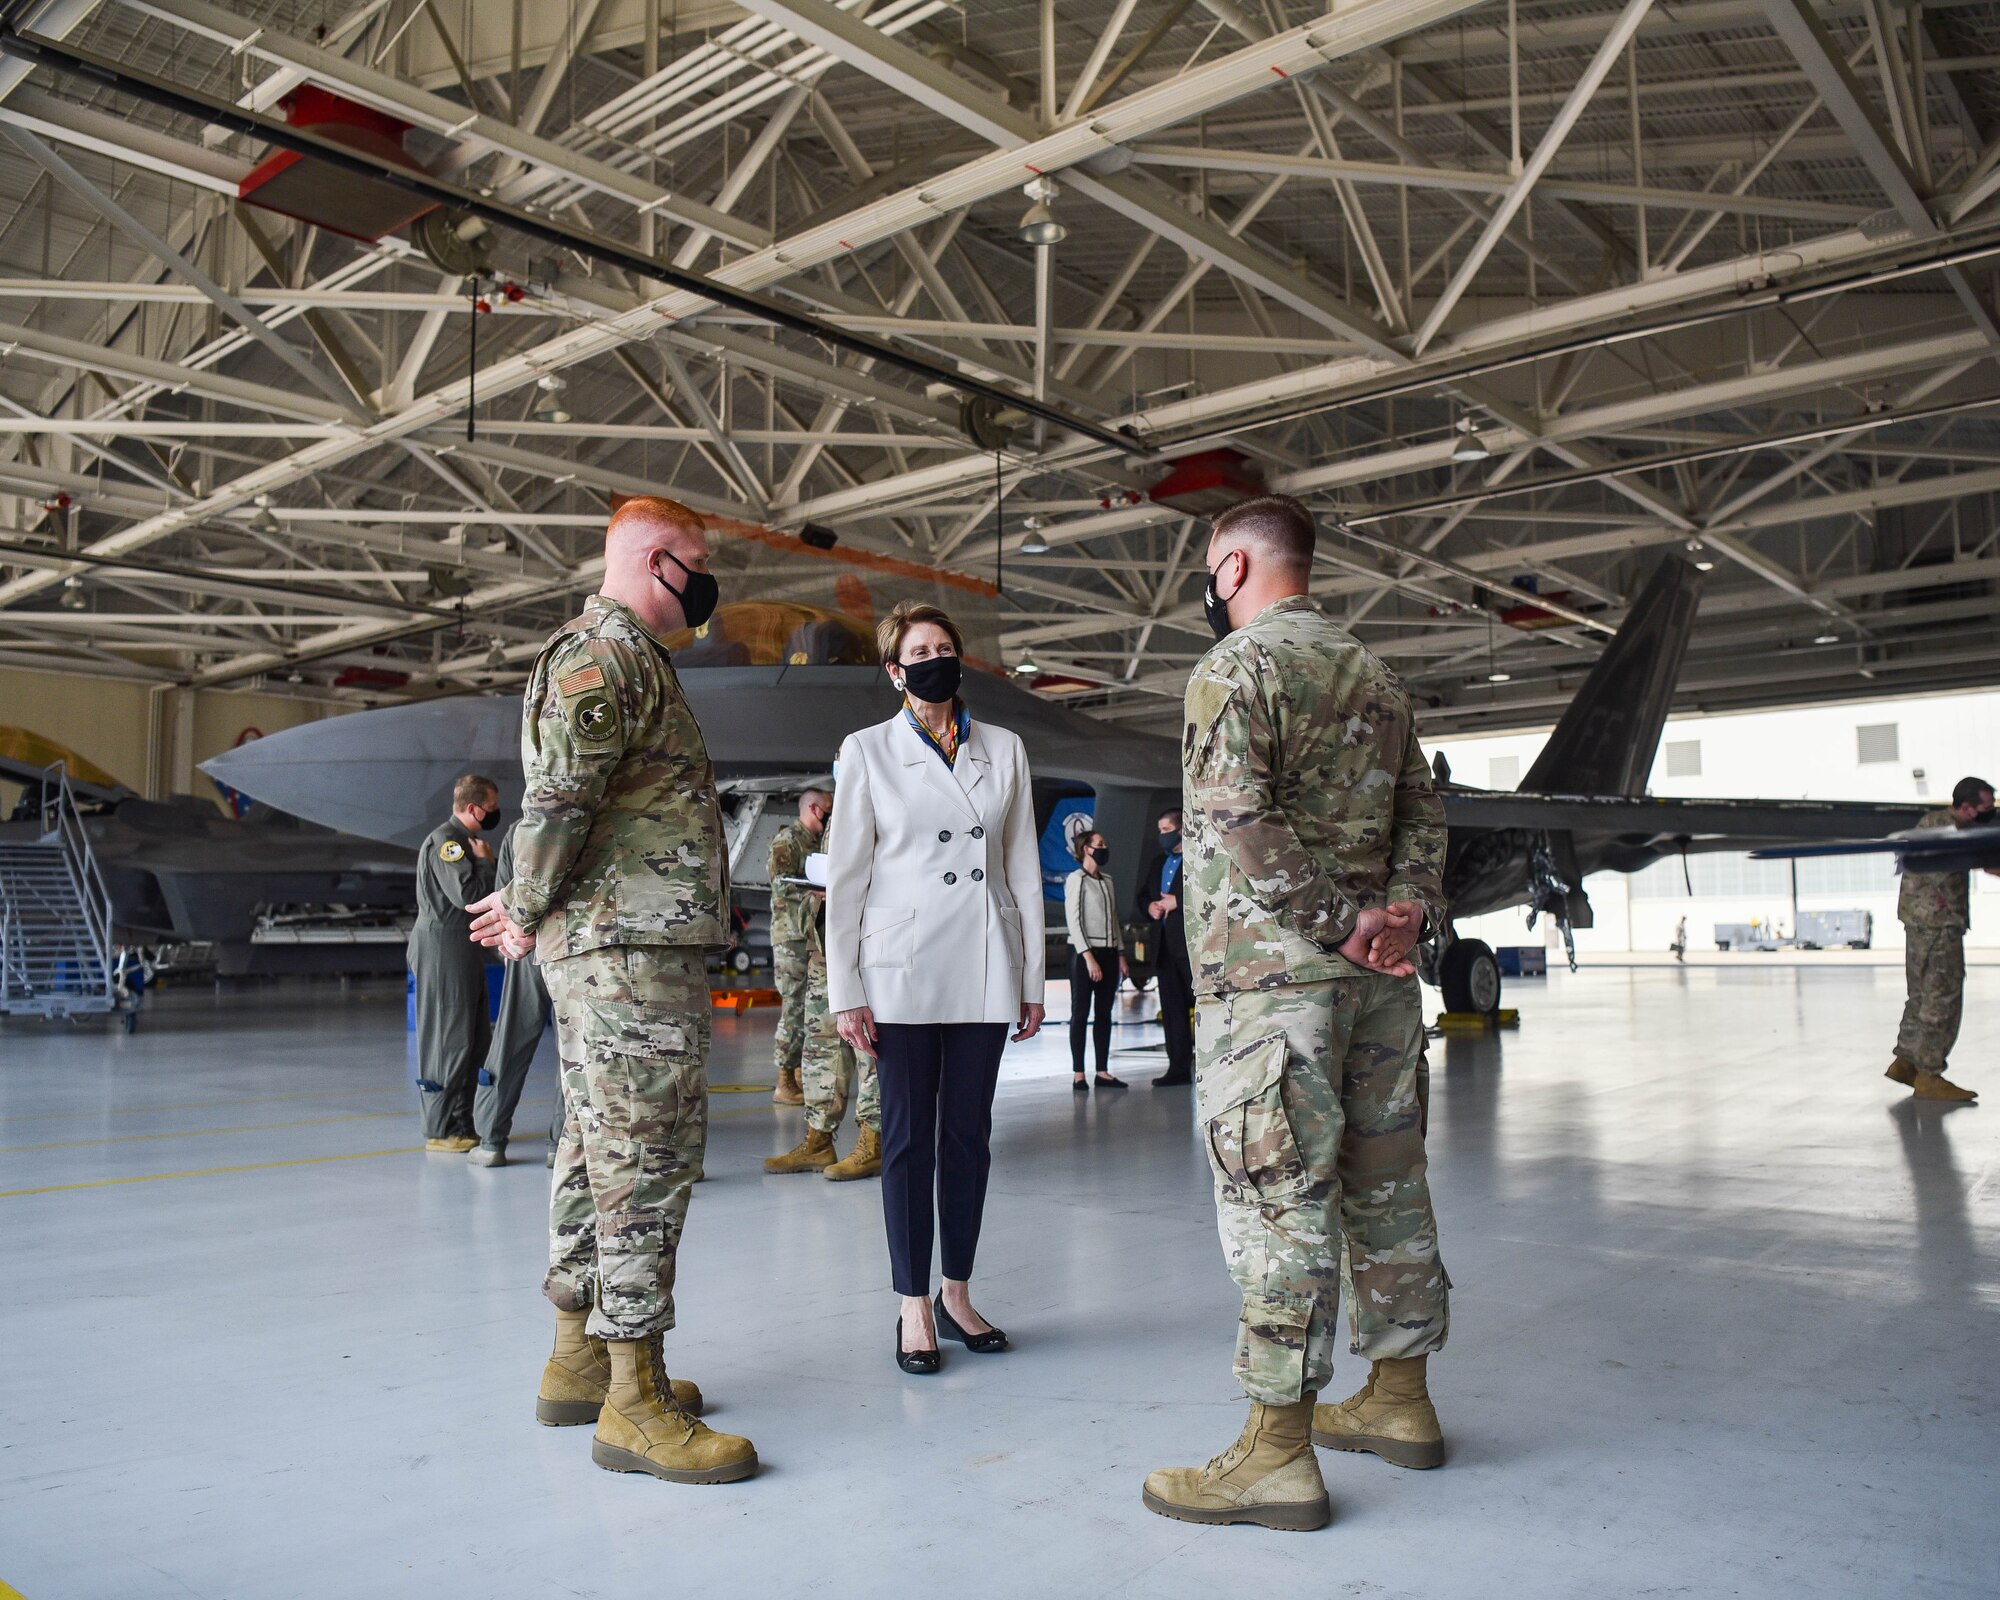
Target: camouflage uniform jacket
[(788, 860), (1935, 899), (620, 838), (1307, 797)]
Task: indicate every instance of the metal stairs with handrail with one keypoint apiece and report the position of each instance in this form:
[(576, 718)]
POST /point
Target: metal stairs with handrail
[(56, 954)]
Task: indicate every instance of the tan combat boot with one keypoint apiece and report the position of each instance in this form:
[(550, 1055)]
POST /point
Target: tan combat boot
[(579, 1371), (643, 1428), (813, 1153), (1936, 1086), (455, 1145), (788, 1091), (1900, 1071), (863, 1161), (1270, 1476), (1392, 1416)]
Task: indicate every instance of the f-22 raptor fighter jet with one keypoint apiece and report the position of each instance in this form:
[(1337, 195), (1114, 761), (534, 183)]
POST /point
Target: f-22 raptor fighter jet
[(1581, 809)]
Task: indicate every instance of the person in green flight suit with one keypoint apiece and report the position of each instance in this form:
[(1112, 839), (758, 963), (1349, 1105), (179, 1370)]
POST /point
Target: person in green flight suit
[(454, 868)]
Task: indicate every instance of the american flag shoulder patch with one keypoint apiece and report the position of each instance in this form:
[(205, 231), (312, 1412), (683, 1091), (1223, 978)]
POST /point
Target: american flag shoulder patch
[(590, 677)]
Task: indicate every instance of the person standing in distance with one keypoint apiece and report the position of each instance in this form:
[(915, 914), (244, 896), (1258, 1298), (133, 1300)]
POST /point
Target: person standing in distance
[(934, 949), (1935, 909), (789, 848), (517, 1033), (454, 867), (620, 887), (1097, 957), (1315, 853), (1160, 898), (827, 1066)]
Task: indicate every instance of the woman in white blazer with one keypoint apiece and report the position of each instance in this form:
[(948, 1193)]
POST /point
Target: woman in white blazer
[(934, 948)]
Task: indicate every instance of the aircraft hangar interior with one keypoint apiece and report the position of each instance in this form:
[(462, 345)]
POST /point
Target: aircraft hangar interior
[(1317, 682)]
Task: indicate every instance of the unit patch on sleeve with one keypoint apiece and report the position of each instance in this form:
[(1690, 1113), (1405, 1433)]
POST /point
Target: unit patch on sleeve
[(591, 718), (584, 677), (451, 850)]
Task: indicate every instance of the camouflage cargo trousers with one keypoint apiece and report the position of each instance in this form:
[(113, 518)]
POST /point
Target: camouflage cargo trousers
[(632, 1025), (788, 971), (1311, 1101), (1934, 969), (829, 1064)]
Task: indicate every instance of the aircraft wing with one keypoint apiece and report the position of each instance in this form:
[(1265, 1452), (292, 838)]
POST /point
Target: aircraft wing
[(1951, 849), (1678, 824)]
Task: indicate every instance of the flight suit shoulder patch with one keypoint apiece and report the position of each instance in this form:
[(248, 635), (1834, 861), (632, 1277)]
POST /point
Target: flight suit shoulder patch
[(451, 850), (592, 719)]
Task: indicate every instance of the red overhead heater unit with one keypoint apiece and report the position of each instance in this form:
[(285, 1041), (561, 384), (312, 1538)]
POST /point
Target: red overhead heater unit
[(330, 197), (1208, 483)]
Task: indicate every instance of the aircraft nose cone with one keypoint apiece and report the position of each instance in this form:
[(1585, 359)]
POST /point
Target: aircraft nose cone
[(384, 774)]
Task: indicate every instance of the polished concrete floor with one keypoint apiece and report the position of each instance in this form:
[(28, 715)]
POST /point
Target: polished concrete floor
[(1725, 1324)]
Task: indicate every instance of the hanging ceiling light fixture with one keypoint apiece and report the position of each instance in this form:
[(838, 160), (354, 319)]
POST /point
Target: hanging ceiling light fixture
[(1026, 666), (72, 594), (1039, 225), (550, 407), (264, 519), (496, 657), (1033, 542), (1470, 447)]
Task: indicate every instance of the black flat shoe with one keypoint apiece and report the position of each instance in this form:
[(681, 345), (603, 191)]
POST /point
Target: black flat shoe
[(1079, 1085), (989, 1343), (921, 1362), (1170, 1081), (1106, 1081)]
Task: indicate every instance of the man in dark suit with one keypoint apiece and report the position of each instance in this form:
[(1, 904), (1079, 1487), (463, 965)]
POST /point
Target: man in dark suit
[(1159, 902)]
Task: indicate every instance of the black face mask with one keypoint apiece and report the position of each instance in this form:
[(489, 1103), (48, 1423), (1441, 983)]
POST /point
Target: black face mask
[(490, 821), (698, 595), (935, 680), (1215, 609), (1100, 855), (1170, 842)]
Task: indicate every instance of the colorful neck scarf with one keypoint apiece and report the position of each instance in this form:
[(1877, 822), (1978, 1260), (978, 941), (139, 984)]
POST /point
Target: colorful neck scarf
[(954, 738)]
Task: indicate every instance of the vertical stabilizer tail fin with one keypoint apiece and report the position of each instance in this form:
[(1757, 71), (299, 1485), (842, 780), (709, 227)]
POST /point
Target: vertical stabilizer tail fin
[(1606, 740)]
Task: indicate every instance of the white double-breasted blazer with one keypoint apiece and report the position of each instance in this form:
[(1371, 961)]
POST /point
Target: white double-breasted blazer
[(934, 884)]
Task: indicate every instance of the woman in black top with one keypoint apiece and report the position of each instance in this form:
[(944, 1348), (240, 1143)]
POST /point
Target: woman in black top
[(1090, 907)]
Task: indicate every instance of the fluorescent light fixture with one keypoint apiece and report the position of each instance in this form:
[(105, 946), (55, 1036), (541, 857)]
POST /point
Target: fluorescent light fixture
[(1499, 677), (1827, 638)]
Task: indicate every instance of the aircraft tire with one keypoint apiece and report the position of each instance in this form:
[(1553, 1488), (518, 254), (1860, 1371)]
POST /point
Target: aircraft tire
[(1469, 975)]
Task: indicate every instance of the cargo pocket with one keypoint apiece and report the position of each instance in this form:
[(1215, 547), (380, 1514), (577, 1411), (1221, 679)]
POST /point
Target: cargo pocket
[(631, 1056), (1250, 1139)]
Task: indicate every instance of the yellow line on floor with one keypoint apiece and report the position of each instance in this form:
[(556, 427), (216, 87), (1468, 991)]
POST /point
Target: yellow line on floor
[(194, 1105), (194, 1133), (7, 1593), (208, 1172), (740, 1088)]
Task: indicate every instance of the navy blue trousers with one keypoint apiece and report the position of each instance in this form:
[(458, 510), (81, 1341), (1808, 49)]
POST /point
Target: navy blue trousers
[(937, 1083)]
